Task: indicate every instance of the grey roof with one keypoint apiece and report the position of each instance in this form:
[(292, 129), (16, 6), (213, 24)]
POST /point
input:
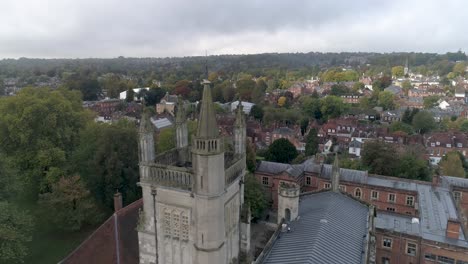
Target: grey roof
[(331, 228), (394, 89), (345, 174), (161, 123), (397, 222), (284, 131), (277, 168), (448, 181), (355, 144)]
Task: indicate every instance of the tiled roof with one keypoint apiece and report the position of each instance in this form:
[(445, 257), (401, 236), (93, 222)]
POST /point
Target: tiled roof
[(331, 228), (115, 241)]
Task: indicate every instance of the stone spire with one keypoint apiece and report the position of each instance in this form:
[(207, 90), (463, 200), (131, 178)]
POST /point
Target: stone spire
[(207, 127), (146, 139), (335, 177), (180, 113), (240, 119)]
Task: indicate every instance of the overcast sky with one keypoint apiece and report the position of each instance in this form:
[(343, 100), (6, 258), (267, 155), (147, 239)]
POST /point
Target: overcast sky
[(162, 28)]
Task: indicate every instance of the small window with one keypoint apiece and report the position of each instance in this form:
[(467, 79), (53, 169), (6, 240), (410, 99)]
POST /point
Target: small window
[(308, 181), (390, 209), (357, 193), (457, 196), (391, 197), (411, 249), (432, 144), (445, 260), (327, 185), (387, 242), (375, 195), (437, 143), (430, 257), (449, 145), (342, 188), (459, 145), (385, 260), (265, 180), (409, 200)]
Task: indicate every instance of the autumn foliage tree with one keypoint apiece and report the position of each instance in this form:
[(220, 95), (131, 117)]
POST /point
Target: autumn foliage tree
[(70, 205)]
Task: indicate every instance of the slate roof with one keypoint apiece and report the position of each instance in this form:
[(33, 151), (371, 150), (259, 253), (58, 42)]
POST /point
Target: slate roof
[(331, 229), (345, 174), (293, 170), (447, 181), (115, 241), (161, 123)]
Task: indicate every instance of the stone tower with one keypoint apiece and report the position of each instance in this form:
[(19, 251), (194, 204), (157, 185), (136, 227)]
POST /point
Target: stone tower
[(288, 202), (192, 196)]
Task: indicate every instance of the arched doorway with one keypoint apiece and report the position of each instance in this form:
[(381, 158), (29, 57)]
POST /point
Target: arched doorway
[(287, 214)]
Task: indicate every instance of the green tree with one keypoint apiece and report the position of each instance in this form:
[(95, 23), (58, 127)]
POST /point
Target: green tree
[(15, 232), (406, 86), (398, 71), (464, 126), (339, 90), (153, 96), (107, 160), (257, 112), (40, 129), (281, 150), (380, 157), (250, 157), (430, 101), (412, 167), (459, 68), (358, 86), (452, 165), (331, 107), (245, 88), (130, 95), (259, 91), (70, 206), (386, 100), (311, 146), (408, 115), (423, 122), (400, 126), (254, 195), (310, 107)]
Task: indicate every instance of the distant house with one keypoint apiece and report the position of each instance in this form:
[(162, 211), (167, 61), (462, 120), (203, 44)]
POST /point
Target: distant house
[(460, 92), (247, 106), (355, 147), (167, 104), (390, 116), (123, 95), (396, 90), (439, 144), (161, 123)]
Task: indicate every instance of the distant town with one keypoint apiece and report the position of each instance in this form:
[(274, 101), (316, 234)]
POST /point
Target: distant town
[(308, 158)]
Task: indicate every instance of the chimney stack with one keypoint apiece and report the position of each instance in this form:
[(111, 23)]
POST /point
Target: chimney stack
[(435, 180), (453, 229), (117, 201)]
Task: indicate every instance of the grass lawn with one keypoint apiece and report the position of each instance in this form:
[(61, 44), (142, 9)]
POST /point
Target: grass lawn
[(50, 245)]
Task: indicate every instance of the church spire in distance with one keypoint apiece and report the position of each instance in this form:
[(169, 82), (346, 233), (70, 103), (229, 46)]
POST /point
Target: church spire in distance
[(207, 127)]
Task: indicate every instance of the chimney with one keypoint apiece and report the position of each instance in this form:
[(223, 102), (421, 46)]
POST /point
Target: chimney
[(453, 229), (117, 201), (435, 180)]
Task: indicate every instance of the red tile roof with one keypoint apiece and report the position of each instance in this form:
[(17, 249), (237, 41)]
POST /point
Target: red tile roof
[(119, 231)]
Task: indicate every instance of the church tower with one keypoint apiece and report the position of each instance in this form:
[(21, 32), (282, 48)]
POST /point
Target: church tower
[(192, 196)]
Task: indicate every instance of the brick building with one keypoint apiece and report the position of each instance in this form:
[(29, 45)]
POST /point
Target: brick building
[(417, 222)]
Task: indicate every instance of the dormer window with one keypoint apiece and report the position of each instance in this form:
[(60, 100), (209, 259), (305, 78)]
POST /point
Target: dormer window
[(432, 144), (449, 145), (459, 145), (437, 143)]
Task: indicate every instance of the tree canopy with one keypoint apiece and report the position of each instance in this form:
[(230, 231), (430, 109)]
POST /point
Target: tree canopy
[(281, 150)]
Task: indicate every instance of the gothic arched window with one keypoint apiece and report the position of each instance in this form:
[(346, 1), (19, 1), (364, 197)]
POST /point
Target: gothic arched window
[(357, 193)]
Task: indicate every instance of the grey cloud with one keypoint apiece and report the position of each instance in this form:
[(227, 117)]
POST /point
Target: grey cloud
[(109, 28)]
